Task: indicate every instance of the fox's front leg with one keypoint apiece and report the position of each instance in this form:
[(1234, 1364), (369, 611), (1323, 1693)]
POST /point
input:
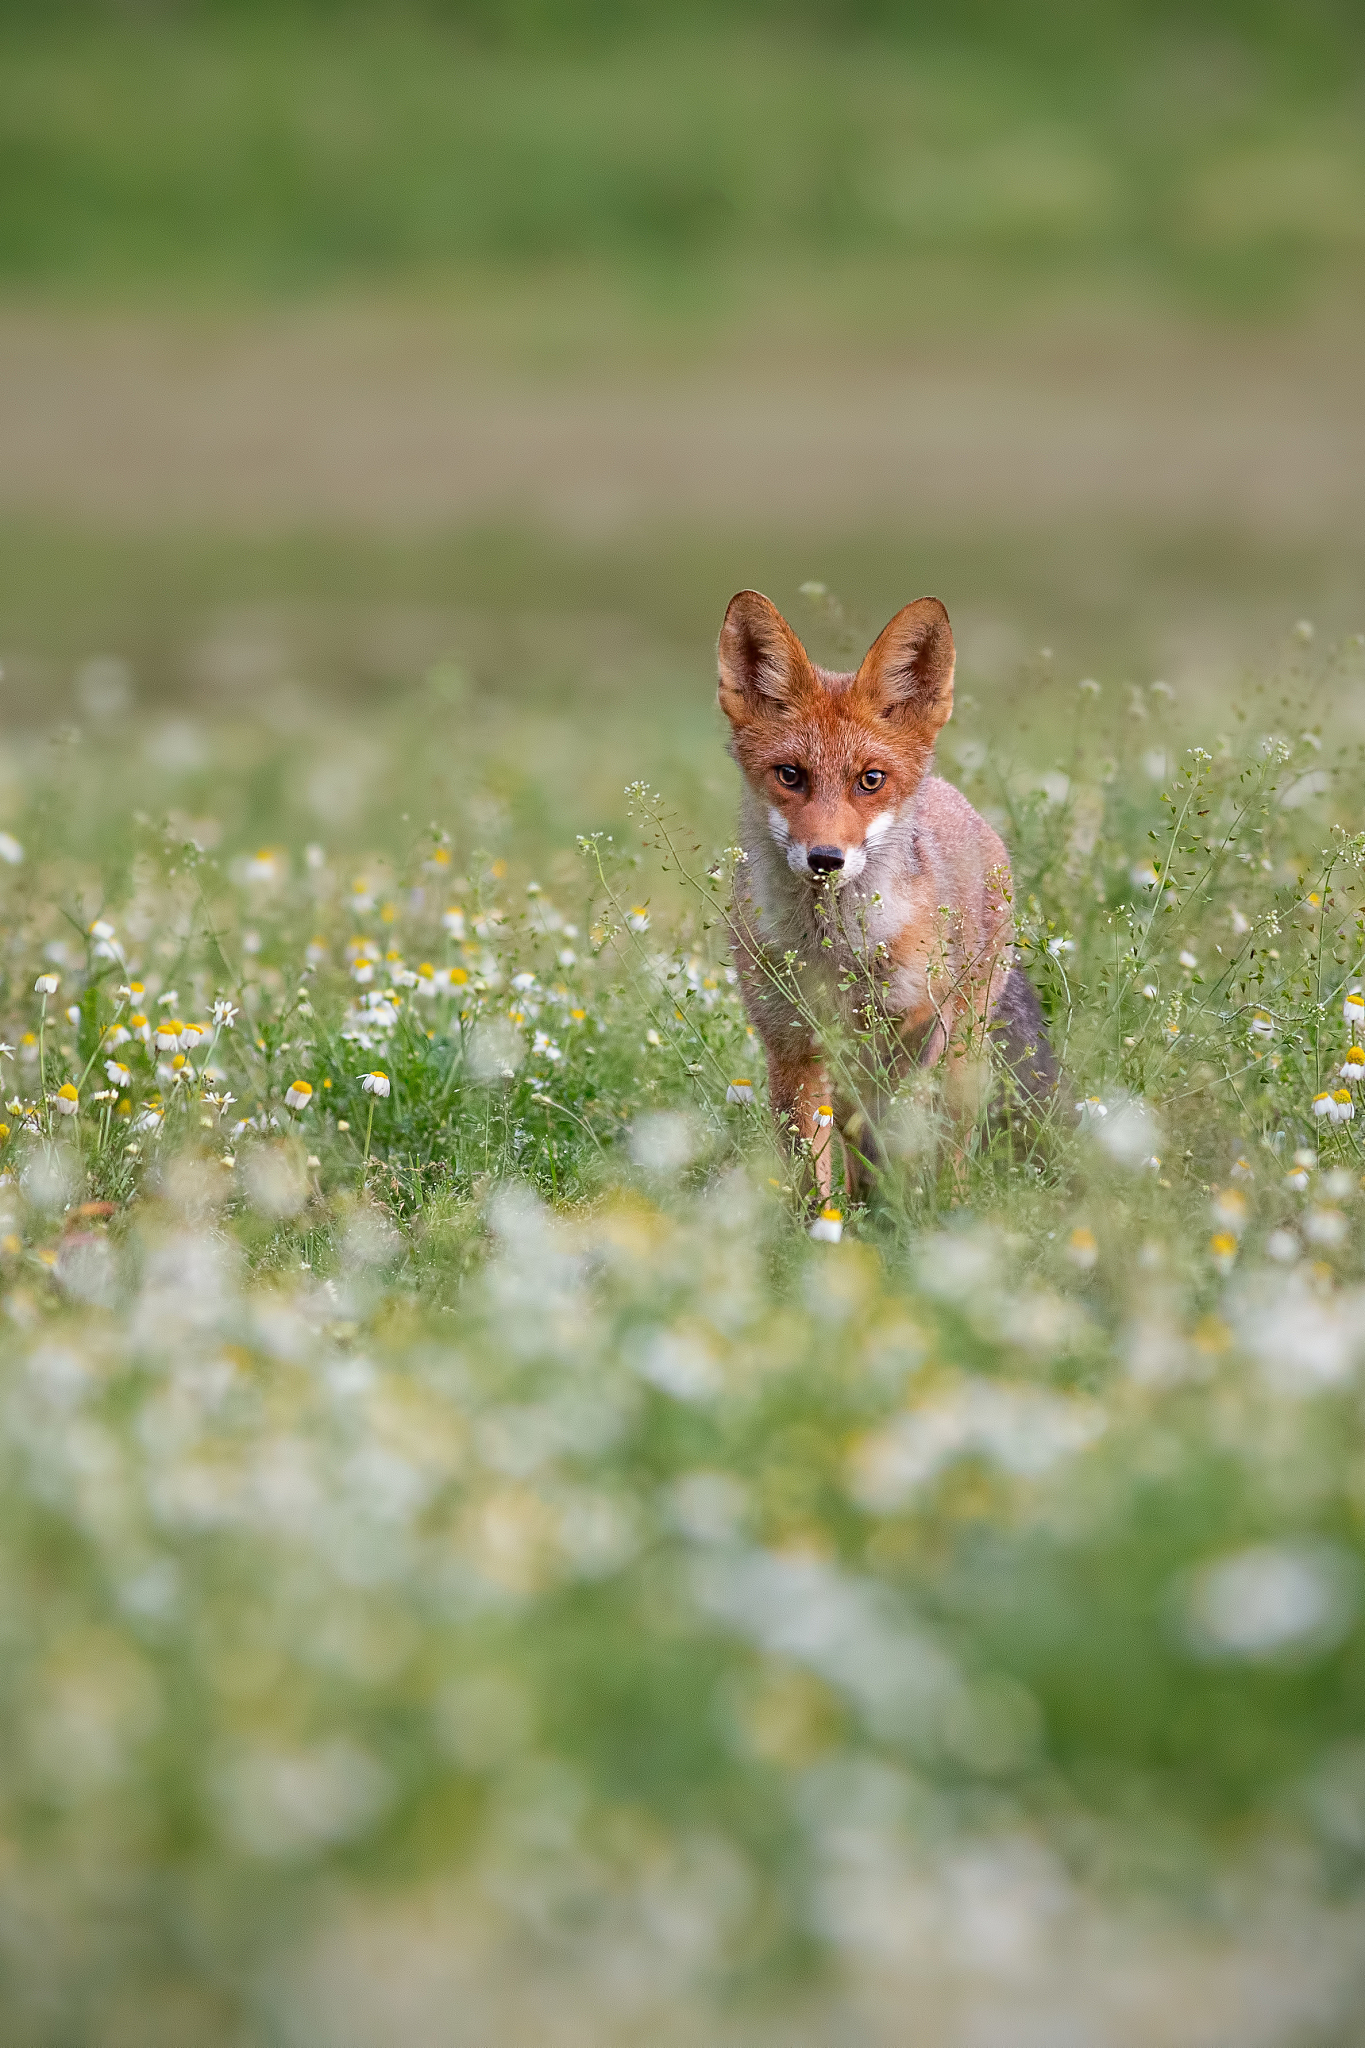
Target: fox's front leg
[(799, 1090)]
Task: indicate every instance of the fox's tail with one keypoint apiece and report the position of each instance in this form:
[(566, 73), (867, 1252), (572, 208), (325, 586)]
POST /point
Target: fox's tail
[(1021, 1036)]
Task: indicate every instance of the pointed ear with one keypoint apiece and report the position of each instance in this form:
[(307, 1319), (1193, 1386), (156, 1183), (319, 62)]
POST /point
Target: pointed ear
[(763, 666), (908, 670)]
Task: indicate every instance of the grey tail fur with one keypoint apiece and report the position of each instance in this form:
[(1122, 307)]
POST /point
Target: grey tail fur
[(1021, 1037)]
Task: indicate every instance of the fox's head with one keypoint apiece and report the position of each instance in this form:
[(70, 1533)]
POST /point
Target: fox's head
[(833, 758)]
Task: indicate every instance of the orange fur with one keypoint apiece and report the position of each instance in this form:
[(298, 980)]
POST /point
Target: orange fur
[(889, 904)]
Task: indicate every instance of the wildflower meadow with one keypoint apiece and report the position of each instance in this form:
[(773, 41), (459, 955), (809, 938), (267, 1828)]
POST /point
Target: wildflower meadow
[(484, 1557)]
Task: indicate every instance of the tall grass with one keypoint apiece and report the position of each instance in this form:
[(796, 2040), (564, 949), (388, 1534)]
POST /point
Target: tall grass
[(468, 1548)]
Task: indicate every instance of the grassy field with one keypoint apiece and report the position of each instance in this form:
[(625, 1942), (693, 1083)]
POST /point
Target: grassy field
[(473, 1567), (1210, 153), (465, 1542)]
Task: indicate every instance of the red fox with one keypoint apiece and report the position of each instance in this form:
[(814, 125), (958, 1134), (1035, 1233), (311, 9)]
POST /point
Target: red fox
[(871, 893)]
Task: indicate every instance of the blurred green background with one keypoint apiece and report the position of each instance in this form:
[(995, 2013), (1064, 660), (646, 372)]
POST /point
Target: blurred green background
[(337, 341)]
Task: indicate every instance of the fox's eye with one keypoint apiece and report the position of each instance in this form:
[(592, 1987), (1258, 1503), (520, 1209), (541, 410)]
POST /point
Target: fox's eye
[(789, 776), (871, 778)]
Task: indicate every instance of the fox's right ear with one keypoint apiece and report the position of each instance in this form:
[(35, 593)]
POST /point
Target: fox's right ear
[(763, 666)]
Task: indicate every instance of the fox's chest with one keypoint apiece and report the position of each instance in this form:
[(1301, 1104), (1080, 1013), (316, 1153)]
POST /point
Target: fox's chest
[(840, 956)]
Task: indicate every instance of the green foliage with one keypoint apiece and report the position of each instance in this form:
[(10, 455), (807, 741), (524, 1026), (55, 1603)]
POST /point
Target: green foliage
[(1214, 154), (479, 1520)]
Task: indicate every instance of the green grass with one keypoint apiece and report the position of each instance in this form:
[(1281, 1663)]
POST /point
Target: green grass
[(951, 159), (524, 1544)]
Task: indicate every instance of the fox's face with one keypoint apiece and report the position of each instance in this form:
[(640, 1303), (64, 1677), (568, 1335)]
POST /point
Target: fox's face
[(833, 758)]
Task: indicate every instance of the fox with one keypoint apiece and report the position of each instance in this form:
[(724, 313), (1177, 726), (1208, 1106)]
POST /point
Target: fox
[(870, 893)]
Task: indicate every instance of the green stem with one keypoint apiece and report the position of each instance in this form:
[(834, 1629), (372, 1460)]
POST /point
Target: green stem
[(368, 1128), (42, 1064)]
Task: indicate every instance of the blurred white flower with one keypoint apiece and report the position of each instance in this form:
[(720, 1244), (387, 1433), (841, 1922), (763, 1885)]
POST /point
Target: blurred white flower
[(47, 984), (278, 1804), (1082, 1248), (1129, 1133), (1273, 1600), (664, 1142), (828, 1226), (1020, 1428), (376, 1083)]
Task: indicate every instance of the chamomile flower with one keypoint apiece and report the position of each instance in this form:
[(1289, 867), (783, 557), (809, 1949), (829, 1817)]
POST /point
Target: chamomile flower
[(1230, 1209), (828, 1226), (167, 1035), (262, 867), (67, 1099), (73, 1014), (1143, 875), (1083, 1248), (1188, 961), (376, 1083), (1353, 1066), (1223, 1250), (1353, 1008), (454, 921), (298, 1094), (120, 1075), (1091, 1111), (1343, 1107), (740, 1091), (149, 1118), (637, 917), (47, 984), (546, 1047), (1242, 1169), (1262, 1024), (1322, 1105), (140, 1027), (225, 1014), (824, 1117)]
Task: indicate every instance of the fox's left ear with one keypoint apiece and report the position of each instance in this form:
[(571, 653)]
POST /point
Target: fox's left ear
[(763, 666), (908, 670)]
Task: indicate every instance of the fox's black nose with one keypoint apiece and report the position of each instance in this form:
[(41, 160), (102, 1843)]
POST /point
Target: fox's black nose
[(825, 860)]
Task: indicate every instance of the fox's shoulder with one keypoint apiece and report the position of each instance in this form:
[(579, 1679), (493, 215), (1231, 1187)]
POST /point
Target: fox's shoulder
[(943, 812)]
